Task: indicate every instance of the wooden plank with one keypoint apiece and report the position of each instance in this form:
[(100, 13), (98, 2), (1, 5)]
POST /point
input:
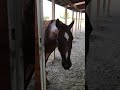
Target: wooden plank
[(41, 30), (5, 80), (19, 49), (15, 27), (37, 67), (79, 3), (12, 27), (71, 4), (76, 4)]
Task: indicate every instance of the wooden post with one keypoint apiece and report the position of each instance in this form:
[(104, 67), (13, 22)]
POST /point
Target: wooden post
[(41, 30), (15, 36), (72, 19), (53, 15), (79, 21), (66, 15), (76, 25), (37, 66), (53, 9)]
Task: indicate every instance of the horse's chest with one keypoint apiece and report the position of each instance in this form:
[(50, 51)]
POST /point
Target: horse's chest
[(50, 45)]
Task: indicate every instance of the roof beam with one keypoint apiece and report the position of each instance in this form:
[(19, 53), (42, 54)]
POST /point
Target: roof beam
[(71, 4), (79, 3)]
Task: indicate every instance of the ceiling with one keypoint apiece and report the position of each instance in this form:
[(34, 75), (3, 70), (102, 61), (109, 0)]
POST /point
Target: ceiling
[(75, 5)]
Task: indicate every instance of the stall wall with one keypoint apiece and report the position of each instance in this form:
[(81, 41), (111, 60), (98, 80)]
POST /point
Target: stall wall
[(4, 48)]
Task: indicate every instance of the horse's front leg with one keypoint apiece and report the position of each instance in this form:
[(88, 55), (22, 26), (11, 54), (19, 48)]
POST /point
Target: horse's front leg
[(46, 59), (47, 54)]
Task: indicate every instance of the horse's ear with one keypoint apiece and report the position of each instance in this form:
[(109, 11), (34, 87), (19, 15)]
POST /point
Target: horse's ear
[(71, 25), (58, 24), (57, 20)]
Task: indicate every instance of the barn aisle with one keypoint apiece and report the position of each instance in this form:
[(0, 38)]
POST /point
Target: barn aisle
[(61, 79)]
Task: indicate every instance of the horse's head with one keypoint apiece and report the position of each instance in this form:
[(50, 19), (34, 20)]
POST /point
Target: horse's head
[(65, 39)]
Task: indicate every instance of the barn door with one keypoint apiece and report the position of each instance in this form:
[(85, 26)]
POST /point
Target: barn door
[(15, 38)]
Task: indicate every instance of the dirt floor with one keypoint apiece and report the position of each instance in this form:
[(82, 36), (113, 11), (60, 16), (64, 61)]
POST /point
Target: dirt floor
[(72, 79)]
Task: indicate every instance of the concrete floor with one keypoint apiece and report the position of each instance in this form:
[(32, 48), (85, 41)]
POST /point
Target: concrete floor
[(61, 79)]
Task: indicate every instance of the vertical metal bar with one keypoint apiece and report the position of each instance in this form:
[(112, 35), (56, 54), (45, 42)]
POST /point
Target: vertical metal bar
[(66, 15), (39, 4), (72, 19), (53, 15), (16, 57)]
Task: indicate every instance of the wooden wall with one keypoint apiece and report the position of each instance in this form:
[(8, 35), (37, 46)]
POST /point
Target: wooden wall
[(4, 48)]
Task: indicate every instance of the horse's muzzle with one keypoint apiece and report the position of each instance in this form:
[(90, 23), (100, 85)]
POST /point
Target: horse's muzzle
[(67, 65)]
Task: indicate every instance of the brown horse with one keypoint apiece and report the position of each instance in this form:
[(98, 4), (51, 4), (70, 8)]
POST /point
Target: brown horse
[(58, 34)]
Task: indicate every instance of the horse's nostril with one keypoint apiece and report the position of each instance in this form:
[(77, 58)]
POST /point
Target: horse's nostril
[(66, 66)]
